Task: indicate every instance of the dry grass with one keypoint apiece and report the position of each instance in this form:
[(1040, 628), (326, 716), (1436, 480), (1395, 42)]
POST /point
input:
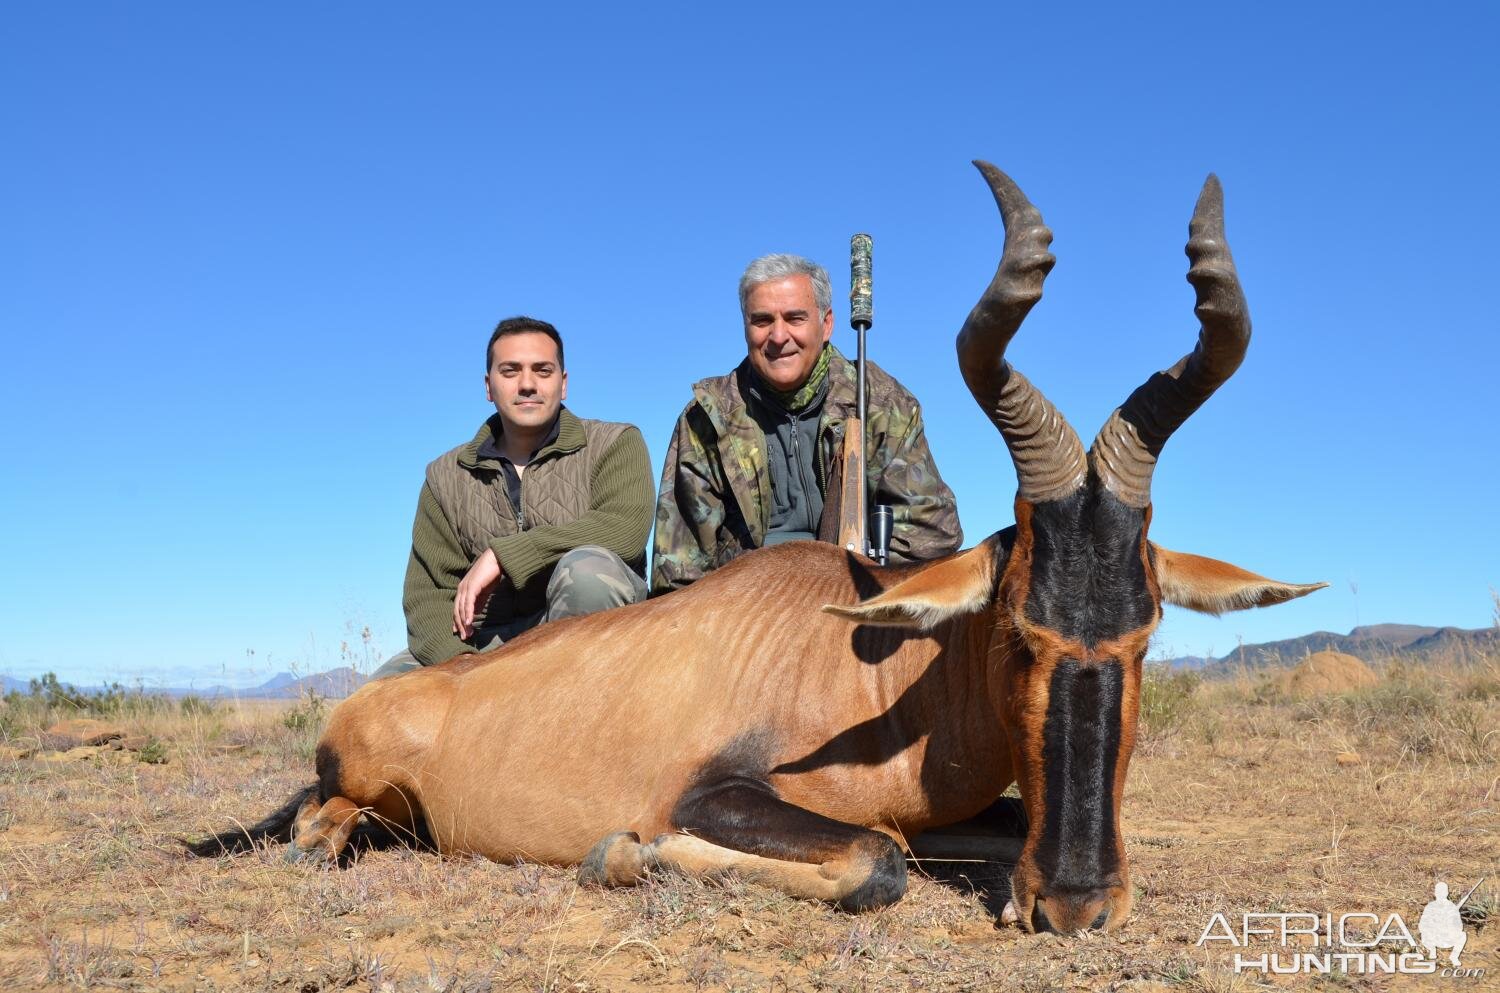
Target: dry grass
[(1235, 803)]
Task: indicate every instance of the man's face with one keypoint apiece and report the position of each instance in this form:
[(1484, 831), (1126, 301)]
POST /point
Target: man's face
[(784, 331), (525, 383)]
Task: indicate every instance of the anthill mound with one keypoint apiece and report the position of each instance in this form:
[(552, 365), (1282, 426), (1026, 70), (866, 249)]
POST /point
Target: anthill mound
[(1324, 673)]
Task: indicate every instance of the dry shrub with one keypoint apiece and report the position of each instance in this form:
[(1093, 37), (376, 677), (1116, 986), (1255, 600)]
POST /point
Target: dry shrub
[(1481, 683), (85, 963), (1421, 709), (1323, 673)]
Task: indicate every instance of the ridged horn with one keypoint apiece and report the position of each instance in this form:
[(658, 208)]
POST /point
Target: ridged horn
[(1049, 458), (1125, 452)]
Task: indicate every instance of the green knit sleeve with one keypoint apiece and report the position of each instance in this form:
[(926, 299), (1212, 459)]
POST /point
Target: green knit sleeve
[(432, 575), (622, 498)]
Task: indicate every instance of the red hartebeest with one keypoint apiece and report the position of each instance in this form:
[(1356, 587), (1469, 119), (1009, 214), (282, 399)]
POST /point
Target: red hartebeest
[(742, 724)]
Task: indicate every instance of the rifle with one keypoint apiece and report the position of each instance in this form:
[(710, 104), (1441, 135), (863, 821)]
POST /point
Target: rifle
[(855, 530)]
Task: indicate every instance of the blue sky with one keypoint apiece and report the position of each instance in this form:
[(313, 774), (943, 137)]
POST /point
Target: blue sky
[(251, 258)]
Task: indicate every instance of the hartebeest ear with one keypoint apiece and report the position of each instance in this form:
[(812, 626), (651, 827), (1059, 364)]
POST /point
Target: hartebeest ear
[(960, 585), (1213, 587)]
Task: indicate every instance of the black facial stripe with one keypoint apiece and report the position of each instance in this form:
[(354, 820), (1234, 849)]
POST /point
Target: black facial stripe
[(1087, 579), (1080, 743)]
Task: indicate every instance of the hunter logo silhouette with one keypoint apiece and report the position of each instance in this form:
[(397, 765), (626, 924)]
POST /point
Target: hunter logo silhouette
[(1442, 926)]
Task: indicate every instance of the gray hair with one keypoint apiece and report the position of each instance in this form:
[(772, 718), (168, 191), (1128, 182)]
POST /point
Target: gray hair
[(769, 268)]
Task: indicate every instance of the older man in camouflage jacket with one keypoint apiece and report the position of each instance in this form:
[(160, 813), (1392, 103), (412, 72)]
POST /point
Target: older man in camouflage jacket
[(752, 454)]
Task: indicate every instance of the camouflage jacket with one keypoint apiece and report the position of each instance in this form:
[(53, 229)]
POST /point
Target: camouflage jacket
[(715, 497)]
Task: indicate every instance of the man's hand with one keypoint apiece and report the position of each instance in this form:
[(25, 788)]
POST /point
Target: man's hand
[(474, 591)]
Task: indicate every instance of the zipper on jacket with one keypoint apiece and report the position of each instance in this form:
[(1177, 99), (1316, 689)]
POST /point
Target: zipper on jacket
[(818, 468), (516, 505), (797, 453), (791, 419)]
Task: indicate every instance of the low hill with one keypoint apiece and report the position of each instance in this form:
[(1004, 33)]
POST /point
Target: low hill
[(335, 683), (338, 682), (1371, 642)]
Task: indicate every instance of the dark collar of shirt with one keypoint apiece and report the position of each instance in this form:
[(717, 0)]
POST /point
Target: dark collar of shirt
[(491, 450)]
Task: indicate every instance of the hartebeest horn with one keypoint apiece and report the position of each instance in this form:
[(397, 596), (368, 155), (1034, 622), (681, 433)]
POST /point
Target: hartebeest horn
[(1049, 458), (1126, 449)]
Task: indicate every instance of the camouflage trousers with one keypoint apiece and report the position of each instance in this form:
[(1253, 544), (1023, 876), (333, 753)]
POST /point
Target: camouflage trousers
[(586, 580)]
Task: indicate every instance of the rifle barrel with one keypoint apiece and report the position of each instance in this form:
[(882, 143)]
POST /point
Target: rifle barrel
[(861, 315)]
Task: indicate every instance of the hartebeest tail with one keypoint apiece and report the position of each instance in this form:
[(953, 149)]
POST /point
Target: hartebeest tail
[(275, 827), (735, 726)]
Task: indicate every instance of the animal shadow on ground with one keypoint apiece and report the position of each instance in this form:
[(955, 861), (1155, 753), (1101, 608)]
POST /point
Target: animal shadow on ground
[(989, 881), (372, 836)]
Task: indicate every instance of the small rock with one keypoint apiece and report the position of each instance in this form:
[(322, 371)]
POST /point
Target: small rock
[(389, 926), (79, 731), (1348, 758), (81, 753)]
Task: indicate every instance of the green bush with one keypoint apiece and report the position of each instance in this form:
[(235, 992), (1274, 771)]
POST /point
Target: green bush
[(1166, 698), (194, 705), (307, 715), (153, 752), (48, 699)]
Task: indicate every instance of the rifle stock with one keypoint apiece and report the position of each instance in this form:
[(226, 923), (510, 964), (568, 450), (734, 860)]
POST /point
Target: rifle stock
[(852, 488)]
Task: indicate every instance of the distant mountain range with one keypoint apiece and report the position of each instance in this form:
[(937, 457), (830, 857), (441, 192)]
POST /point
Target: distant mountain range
[(1372, 642), (334, 683)]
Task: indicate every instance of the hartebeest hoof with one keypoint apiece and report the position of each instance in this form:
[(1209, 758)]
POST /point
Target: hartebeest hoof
[(317, 855), (883, 865), (618, 860), (322, 830)]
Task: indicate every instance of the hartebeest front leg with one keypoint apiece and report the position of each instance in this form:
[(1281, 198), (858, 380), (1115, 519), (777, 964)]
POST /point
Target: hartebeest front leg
[(996, 834), (967, 848), (742, 825)]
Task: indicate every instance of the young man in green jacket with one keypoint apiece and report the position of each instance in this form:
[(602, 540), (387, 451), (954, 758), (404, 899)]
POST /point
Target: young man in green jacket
[(542, 515), (750, 458)]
